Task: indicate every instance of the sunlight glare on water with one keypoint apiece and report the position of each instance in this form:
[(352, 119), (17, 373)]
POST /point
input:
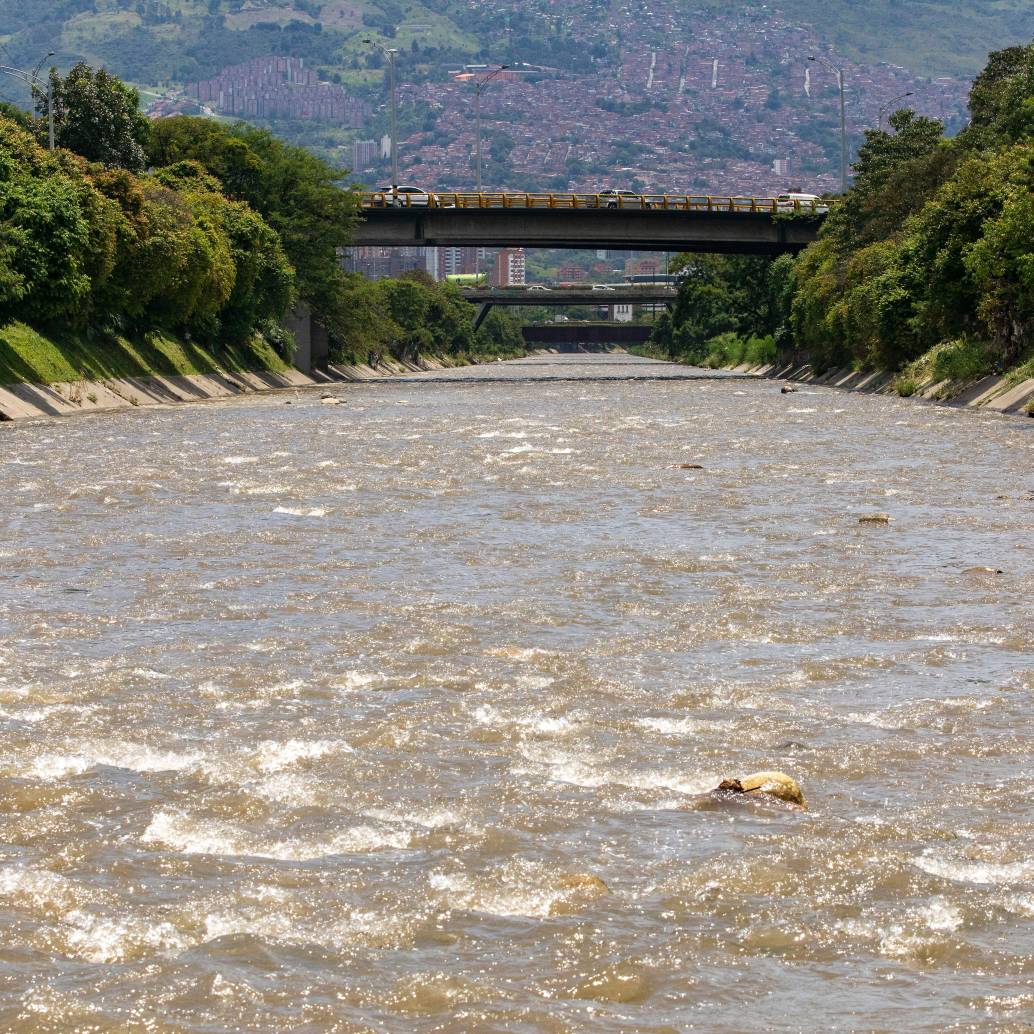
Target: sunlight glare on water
[(400, 715)]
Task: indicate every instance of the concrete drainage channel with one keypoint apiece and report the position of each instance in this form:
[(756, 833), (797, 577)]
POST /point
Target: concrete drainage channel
[(32, 401)]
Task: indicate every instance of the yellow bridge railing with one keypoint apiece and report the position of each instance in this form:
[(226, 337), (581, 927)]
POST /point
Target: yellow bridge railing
[(639, 202)]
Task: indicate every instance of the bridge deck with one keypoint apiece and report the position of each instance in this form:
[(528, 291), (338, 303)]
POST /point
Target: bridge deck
[(605, 367), (759, 232), (615, 296)]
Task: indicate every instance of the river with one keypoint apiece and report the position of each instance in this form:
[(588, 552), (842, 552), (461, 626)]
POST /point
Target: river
[(401, 714)]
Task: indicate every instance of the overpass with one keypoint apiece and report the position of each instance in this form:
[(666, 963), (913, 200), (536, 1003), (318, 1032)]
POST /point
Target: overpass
[(623, 295), (568, 336), (684, 223)]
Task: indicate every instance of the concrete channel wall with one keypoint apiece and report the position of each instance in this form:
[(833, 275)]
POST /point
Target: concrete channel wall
[(25, 401), (997, 394)]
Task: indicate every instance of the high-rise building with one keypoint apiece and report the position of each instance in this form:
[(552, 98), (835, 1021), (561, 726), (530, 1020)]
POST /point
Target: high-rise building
[(509, 268), (378, 263), (364, 154), (458, 261), (781, 166)]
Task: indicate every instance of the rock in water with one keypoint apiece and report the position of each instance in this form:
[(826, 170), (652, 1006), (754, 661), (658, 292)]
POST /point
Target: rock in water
[(788, 389), (584, 882), (875, 518), (772, 784)]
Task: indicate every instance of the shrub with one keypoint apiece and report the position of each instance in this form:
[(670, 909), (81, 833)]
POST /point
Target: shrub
[(962, 360), (906, 387)]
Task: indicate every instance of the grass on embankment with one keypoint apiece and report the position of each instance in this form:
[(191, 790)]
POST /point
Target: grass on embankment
[(954, 365), (30, 356)]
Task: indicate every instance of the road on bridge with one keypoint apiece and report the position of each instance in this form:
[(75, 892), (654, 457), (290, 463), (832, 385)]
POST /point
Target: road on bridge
[(608, 296), (730, 225)]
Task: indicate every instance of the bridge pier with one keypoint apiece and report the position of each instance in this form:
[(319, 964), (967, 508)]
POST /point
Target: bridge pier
[(312, 342)]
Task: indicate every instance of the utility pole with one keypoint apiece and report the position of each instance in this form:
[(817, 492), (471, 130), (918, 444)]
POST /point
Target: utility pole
[(33, 81), (392, 54), (886, 107), (479, 85), (839, 73)]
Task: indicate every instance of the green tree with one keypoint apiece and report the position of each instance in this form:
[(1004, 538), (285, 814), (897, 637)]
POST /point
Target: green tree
[(1001, 102), (98, 116), (299, 195)]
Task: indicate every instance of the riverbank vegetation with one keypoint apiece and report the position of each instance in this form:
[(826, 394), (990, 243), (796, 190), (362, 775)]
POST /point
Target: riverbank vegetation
[(26, 354), (925, 268), (193, 232)]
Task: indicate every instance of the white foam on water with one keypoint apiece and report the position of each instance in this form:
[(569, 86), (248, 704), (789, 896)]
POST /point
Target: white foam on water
[(681, 726), (546, 725), (486, 714), (942, 916), (576, 771), (236, 461), (517, 653), (966, 870), (132, 756), (102, 939), (35, 715), (295, 511), (189, 835), (272, 489), (439, 819), (291, 788), (1019, 904), (358, 679), (534, 682), (51, 767), (273, 755), (518, 888), (39, 888), (270, 926)]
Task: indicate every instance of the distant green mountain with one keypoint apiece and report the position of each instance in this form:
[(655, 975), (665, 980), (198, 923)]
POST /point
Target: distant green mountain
[(156, 41), (930, 37)]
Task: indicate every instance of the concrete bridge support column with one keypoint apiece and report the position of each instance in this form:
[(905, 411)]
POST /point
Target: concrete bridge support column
[(312, 342), (299, 322)]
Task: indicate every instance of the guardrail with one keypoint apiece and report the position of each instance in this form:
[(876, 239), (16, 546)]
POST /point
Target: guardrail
[(637, 202)]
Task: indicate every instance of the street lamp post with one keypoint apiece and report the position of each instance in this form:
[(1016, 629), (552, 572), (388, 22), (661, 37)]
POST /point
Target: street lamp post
[(392, 53), (885, 107), (839, 73), (479, 85), (33, 81)]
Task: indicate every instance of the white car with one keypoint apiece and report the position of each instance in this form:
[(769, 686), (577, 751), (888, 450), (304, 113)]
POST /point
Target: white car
[(602, 287), (611, 198), (538, 287), (801, 203), (405, 197)]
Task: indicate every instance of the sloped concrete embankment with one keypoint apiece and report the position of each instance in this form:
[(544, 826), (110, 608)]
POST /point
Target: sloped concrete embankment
[(997, 394), (25, 401)]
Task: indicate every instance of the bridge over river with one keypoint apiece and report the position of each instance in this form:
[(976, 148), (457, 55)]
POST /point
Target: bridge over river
[(726, 225), (543, 298)]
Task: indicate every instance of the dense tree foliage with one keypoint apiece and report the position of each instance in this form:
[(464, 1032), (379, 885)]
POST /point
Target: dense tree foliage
[(297, 193), (82, 245), (300, 196), (932, 249), (224, 232), (98, 117)]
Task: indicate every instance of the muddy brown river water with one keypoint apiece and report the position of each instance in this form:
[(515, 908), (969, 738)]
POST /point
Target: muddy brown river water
[(398, 715)]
